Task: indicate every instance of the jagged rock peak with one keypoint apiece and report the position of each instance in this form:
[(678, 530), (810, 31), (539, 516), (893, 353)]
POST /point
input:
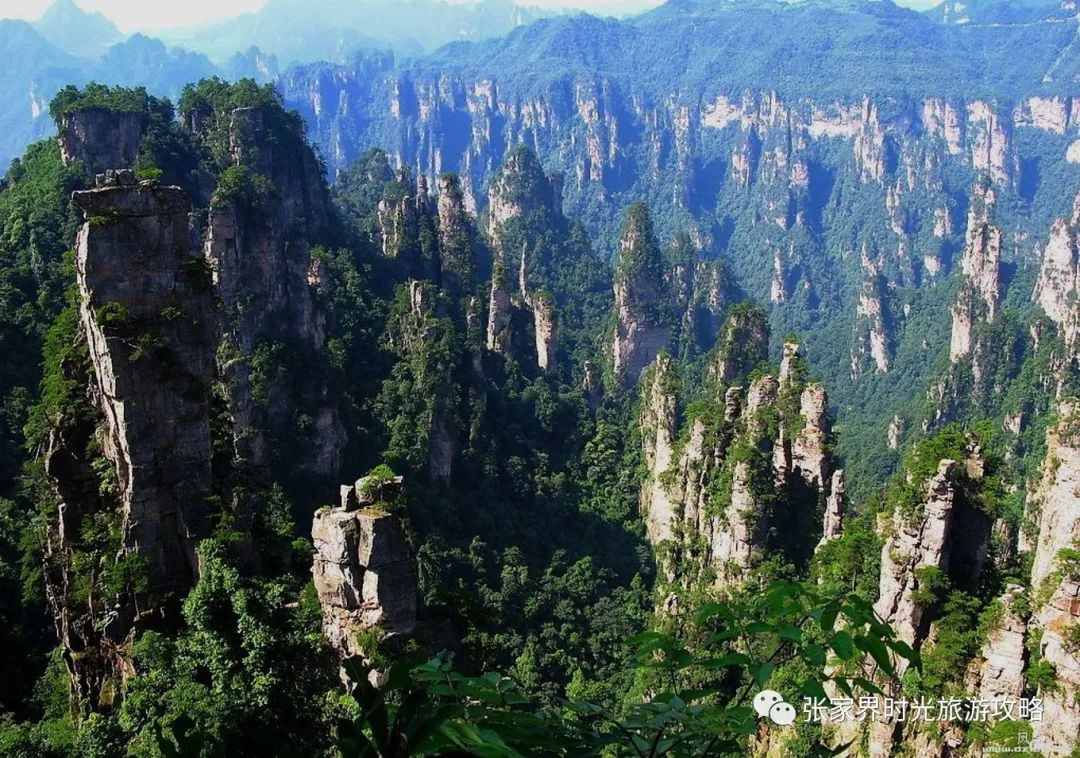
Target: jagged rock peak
[(810, 448), (521, 189), (658, 422), (980, 291), (546, 330), (1058, 286), (871, 328), (135, 271), (790, 368), (259, 246), (915, 543), (642, 326), (833, 524), (981, 260), (457, 262), (363, 568), (998, 672), (743, 345), (146, 314)]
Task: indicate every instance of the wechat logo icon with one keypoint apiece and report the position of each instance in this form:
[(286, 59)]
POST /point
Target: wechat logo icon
[(770, 703)]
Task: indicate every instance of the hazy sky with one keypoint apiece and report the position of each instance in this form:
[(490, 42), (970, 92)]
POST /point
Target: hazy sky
[(151, 15)]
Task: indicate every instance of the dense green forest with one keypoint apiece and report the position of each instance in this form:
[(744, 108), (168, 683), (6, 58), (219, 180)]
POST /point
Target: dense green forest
[(564, 510)]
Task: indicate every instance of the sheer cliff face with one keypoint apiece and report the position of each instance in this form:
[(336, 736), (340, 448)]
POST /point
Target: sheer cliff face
[(147, 314), (642, 328), (715, 488), (363, 569), (980, 265), (598, 123), (787, 189), (1055, 582), (154, 392), (943, 535), (523, 206), (101, 139), (1058, 286), (259, 247)]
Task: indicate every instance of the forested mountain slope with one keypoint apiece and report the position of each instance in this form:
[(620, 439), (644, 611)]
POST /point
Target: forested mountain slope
[(827, 152), (644, 381)]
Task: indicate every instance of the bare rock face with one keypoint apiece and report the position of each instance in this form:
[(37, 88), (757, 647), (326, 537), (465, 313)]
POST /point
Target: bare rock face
[(999, 671), (523, 203), (990, 138), (147, 318), (896, 432), (788, 361), (723, 531), (944, 534), (923, 541), (980, 292), (658, 428), (133, 255), (809, 451), (545, 330), (1058, 287), (870, 145), (1052, 506), (833, 524), (500, 312), (402, 219), (259, 252), (101, 139), (1056, 733), (364, 571), (641, 328), (871, 332)]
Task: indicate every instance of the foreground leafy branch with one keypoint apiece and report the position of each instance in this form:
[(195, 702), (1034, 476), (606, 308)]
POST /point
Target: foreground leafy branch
[(697, 687)]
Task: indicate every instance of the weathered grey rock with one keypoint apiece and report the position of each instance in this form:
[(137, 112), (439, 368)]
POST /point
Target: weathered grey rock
[(658, 431), (792, 353), (546, 332), (261, 258), (833, 523), (500, 311), (1053, 507), (642, 328), (349, 499), (980, 293), (1058, 287), (147, 319), (732, 403), (809, 451), (1056, 733), (1053, 503), (872, 337), (915, 543), (133, 259), (896, 432), (999, 671), (101, 139), (364, 575)]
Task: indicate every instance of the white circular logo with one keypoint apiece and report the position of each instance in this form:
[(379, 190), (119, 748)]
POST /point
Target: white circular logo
[(783, 714), (765, 700)]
